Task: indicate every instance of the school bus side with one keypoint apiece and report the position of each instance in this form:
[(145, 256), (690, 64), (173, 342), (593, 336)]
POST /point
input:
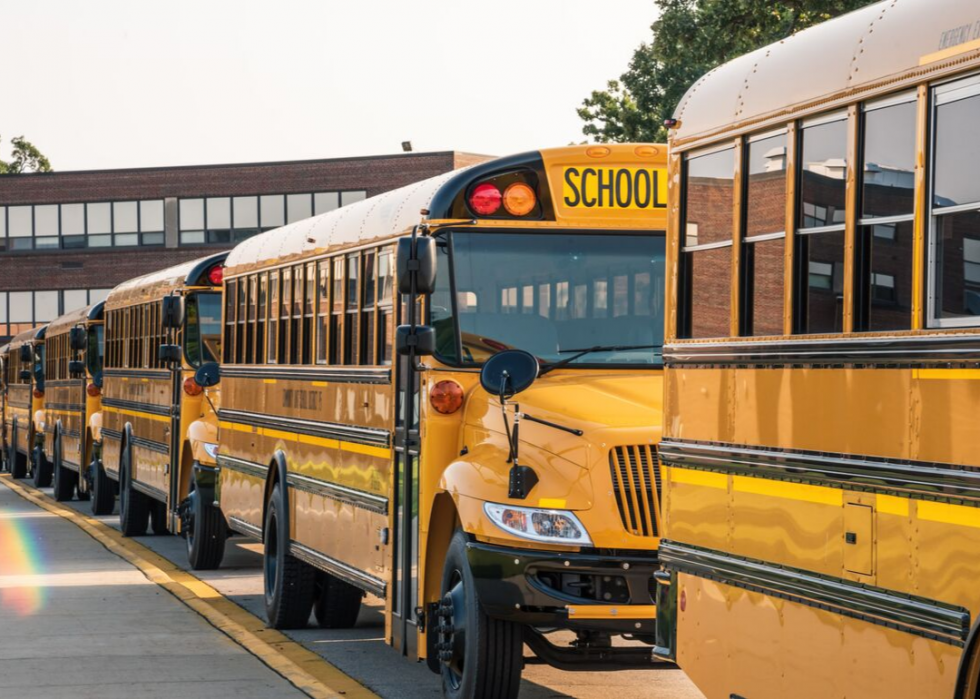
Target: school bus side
[(22, 403), (146, 405), (821, 500)]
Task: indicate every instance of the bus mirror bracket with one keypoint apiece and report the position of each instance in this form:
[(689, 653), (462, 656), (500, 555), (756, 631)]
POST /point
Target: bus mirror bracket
[(172, 312), (168, 354), (76, 369), (77, 338), (420, 337), (418, 264), (25, 374)]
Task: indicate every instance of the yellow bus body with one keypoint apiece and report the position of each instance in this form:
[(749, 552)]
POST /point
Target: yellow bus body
[(70, 409), (146, 409), (322, 424), (23, 406), (822, 516)]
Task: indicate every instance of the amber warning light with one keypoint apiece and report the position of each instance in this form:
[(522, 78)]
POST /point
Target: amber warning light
[(446, 397)]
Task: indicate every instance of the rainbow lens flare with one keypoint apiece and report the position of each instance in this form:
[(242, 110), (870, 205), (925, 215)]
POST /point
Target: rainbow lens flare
[(20, 556)]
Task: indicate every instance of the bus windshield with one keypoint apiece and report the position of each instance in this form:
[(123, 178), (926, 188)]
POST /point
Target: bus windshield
[(552, 295), (96, 350), (202, 331)]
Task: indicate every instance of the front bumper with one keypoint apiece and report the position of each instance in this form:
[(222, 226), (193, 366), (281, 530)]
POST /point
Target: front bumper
[(550, 589)]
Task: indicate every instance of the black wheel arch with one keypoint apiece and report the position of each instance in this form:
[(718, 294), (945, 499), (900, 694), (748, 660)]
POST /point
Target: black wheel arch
[(276, 475)]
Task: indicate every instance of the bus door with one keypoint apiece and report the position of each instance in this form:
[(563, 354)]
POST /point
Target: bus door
[(404, 595)]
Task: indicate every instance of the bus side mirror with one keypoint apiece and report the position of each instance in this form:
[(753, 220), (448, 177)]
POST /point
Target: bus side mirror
[(25, 353), (77, 339), (25, 375), (208, 374), (168, 354), (172, 312), (76, 368), (421, 265), (421, 337)]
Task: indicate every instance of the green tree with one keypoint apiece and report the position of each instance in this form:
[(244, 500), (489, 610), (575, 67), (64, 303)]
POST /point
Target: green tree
[(690, 37), (25, 157)]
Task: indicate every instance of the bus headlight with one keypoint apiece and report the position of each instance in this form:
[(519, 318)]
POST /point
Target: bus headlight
[(211, 450), (551, 526)]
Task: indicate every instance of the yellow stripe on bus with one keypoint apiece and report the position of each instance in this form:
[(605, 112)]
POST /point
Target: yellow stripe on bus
[(136, 413), (949, 514), (63, 412), (353, 447), (708, 479), (891, 505), (946, 374), (789, 491)]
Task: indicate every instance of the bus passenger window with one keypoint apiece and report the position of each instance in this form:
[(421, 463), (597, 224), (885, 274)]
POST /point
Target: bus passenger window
[(231, 293), (368, 296), (241, 345), (820, 232), (296, 336), (286, 303), (955, 206), (351, 334), (322, 310), (253, 299), (386, 280), (272, 343), (336, 319), (707, 245), (261, 321), (763, 250), (883, 265), (308, 304)]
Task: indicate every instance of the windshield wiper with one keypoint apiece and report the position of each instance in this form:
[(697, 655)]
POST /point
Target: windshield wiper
[(582, 352)]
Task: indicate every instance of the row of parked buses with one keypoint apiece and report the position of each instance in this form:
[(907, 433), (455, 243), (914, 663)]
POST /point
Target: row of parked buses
[(452, 396)]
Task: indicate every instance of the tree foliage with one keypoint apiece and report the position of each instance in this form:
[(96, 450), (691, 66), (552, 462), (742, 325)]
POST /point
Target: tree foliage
[(690, 37), (25, 157)]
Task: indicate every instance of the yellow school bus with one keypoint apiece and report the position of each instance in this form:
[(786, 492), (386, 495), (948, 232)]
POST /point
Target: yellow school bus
[(159, 329), (372, 435), (73, 374), (24, 405), (821, 499)]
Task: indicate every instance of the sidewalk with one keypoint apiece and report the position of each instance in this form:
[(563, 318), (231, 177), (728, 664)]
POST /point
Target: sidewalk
[(77, 621)]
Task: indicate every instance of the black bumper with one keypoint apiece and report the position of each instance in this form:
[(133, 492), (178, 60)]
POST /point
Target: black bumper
[(536, 587)]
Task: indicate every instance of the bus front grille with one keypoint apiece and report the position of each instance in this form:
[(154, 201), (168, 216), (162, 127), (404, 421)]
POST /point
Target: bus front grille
[(636, 485)]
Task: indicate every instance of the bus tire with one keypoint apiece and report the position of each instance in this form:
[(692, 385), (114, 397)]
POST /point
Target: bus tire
[(338, 603), (41, 468), (289, 582), (64, 479), (103, 490), (18, 462), (158, 517), (205, 534), (134, 506), (486, 659)]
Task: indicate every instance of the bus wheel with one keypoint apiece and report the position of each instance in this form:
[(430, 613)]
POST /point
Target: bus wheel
[(41, 469), (18, 462), (158, 517), (337, 602), (289, 582), (103, 490), (134, 507), (64, 479), (204, 529), (480, 656)]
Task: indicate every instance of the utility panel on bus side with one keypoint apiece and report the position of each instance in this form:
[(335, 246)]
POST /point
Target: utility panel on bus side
[(858, 538)]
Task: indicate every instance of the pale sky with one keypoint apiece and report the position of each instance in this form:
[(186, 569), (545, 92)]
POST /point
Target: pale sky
[(132, 83)]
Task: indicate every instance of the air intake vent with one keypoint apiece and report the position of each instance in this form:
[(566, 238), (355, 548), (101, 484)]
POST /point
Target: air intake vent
[(636, 484)]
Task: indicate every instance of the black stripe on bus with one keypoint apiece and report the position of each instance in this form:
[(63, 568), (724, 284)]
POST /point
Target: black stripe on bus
[(72, 434), (150, 445), (370, 436), (112, 434), (915, 615), (355, 576), (936, 481), (245, 528), (64, 383), (351, 496), (149, 490), (140, 373), (326, 374), (152, 408), (70, 407), (249, 468), (944, 351)]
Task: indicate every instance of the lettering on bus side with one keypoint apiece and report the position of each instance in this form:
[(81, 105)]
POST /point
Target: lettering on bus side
[(302, 399), (615, 188)]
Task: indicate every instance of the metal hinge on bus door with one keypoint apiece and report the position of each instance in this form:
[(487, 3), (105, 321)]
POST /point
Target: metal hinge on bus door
[(858, 538)]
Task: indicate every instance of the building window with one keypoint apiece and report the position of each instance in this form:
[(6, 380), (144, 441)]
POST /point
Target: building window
[(820, 227), (298, 207), (709, 185), (272, 211), (955, 206), (191, 221)]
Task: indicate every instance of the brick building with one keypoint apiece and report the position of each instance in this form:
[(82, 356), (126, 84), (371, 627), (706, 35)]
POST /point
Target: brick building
[(66, 238)]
